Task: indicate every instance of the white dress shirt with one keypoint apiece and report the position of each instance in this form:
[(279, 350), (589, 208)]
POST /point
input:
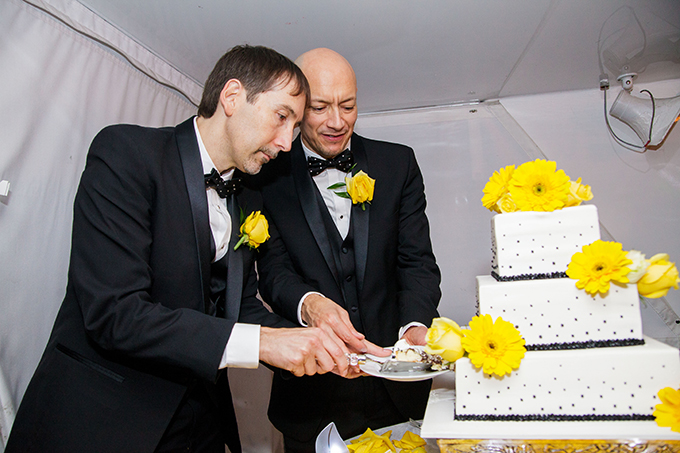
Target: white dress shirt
[(339, 208), (243, 346)]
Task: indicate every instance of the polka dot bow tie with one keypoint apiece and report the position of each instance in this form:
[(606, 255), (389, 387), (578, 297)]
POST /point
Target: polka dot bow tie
[(342, 162), (223, 188)]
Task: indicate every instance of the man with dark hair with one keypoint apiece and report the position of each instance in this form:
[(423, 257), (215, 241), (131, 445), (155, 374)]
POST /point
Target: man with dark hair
[(137, 356), (361, 271)]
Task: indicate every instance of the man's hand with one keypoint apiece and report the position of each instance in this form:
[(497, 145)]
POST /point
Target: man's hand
[(321, 312), (416, 335), (303, 351)]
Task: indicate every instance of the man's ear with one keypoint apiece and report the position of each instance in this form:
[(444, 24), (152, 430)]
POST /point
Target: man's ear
[(229, 96)]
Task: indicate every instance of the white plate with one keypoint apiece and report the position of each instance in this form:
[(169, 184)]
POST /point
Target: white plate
[(373, 369)]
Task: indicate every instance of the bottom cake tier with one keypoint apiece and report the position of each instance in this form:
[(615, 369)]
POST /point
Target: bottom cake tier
[(619, 383)]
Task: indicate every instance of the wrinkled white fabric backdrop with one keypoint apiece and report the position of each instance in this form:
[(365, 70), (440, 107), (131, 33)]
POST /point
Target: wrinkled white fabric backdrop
[(58, 88)]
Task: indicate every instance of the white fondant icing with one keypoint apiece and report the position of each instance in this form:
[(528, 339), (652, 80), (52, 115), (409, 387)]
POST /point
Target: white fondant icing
[(605, 381), (529, 243), (555, 311)]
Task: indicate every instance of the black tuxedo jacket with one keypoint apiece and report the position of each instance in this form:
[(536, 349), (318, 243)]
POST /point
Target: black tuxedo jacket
[(132, 334), (397, 278)]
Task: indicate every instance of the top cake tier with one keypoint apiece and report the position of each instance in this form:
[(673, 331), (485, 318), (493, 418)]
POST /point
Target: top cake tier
[(532, 245)]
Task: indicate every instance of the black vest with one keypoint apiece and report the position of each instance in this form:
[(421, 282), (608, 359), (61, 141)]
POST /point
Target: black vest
[(343, 254)]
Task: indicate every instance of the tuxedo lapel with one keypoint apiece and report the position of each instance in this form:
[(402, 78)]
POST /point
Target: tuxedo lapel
[(360, 217), (307, 193), (235, 266), (190, 157)]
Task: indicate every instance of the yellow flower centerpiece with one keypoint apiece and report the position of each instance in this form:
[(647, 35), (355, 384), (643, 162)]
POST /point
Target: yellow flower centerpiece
[(254, 230), (533, 186), (667, 414), (597, 265), (496, 347)]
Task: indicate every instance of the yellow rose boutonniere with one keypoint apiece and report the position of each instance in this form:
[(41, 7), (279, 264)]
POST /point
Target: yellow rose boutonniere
[(661, 275), (254, 230), (359, 188)]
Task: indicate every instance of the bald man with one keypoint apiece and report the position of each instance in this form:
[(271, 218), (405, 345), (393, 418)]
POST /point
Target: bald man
[(366, 274)]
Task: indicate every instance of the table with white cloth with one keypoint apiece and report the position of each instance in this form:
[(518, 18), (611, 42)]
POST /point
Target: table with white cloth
[(536, 437)]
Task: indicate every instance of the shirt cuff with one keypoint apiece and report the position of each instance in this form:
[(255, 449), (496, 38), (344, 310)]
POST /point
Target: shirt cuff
[(299, 308), (403, 330), (243, 347)]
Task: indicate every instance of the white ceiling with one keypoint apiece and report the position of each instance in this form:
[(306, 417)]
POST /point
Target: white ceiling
[(416, 53)]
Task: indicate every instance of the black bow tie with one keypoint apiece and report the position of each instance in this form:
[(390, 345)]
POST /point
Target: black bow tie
[(342, 162), (223, 188)]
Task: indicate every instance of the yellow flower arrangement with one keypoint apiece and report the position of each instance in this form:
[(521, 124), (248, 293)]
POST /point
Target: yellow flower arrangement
[(539, 186), (660, 276), (496, 347), (667, 414), (603, 262), (359, 187), (254, 230), (597, 265), (533, 186)]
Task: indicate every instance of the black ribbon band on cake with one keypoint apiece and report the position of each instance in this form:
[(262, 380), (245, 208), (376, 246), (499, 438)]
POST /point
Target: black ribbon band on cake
[(585, 344), (513, 278), (554, 418)]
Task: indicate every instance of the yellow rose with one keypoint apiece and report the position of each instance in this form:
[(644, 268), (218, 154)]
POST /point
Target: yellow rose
[(443, 338), (577, 193), (254, 230), (661, 276), (506, 204), (360, 187)]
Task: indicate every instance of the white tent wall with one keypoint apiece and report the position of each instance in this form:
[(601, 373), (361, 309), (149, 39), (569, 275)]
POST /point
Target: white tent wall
[(58, 88)]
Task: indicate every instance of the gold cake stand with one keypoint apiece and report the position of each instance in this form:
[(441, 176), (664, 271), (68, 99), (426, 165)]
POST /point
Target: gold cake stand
[(557, 446)]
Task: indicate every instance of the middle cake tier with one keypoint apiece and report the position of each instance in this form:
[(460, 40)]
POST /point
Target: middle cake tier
[(554, 314)]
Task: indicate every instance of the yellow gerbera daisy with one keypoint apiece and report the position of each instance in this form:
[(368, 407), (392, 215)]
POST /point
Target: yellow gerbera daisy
[(598, 264), (537, 186), (497, 187), (667, 414), (496, 347)]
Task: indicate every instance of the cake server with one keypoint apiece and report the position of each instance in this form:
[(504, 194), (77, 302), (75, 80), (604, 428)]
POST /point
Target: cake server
[(396, 366), (388, 364)]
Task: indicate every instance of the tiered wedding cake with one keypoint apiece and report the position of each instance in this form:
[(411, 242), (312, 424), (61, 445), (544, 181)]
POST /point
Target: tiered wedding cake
[(586, 356)]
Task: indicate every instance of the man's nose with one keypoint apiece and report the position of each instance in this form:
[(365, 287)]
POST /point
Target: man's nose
[(284, 140), (334, 119)]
